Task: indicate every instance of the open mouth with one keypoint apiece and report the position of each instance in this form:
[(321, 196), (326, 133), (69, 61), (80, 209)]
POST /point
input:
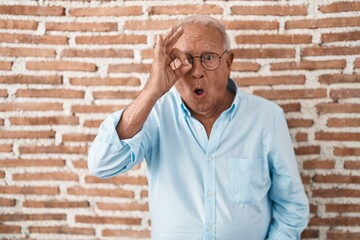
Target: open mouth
[(199, 91)]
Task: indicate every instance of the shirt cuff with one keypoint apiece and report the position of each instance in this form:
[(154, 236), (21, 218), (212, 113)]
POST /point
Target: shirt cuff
[(274, 234)]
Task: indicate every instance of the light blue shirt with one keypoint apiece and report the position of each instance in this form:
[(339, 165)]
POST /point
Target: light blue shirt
[(241, 183)]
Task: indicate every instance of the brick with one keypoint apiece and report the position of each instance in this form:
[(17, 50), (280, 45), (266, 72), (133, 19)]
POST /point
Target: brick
[(340, 7), (337, 136), (336, 193), (7, 202), (336, 207), (298, 123), (251, 25), (264, 53), (186, 9), (8, 229), (81, 27), (310, 233), (95, 108), (343, 122), (30, 106), (347, 151), (301, 137), (115, 94), (318, 164), (339, 78), (144, 194), (2, 174), (245, 67), (50, 93), (126, 233), (103, 192), (93, 123), (58, 120), (80, 164), (32, 217), (20, 162), (28, 79), (53, 149), (130, 81), (340, 37), (352, 165), (291, 10), (115, 68), (334, 178), (335, 235), (344, 93), (107, 220), (332, 51), (33, 39), (61, 66), (45, 176), (105, 11), (98, 53), (27, 52), (357, 63), (122, 206), (8, 134), (3, 93), (308, 65), (307, 150), (63, 230), (4, 65), (6, 148), (29, 190), (73, 137), (291, 107), (291, 94), (324, 108), (273, 39), (335, 221), (323, 23), (119, 39), (147, 53), (149, 24), (18, 24), (32, 10), (56, 204), (118, 180)]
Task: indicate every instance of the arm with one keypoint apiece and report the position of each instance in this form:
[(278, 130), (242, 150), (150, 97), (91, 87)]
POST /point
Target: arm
[(123, 139), (290, 208)]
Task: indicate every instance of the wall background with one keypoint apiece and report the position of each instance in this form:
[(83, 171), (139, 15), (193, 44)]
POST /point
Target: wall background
[(65, 65)]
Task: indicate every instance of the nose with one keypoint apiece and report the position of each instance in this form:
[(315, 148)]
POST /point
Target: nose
[(197, 70)]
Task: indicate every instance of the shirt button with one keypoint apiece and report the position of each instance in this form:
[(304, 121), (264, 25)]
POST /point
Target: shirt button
[(209, 193), (209, 226)]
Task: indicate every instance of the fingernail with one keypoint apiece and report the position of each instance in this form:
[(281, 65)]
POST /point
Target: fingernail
[(186, 61)]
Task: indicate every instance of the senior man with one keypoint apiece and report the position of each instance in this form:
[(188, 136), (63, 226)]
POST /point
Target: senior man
[(220, 163)]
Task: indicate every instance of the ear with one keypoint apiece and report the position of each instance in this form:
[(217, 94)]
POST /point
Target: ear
[(229, 60)]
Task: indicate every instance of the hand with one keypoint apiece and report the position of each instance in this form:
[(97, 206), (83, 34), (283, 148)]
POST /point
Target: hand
[(169, 63)]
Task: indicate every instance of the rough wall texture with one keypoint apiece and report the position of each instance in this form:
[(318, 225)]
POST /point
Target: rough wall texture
[(65, 65)]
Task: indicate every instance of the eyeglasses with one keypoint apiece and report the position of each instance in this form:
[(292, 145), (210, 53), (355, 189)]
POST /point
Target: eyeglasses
[(210, 61)]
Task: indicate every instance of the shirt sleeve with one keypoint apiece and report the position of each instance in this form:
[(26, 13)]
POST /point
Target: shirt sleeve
[(290, 207), (109, 155)]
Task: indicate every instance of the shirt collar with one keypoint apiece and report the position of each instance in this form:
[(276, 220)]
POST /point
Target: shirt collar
[(230, 111)]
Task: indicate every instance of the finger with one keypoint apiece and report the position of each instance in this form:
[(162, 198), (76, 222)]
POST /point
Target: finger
[(173, 38), (181, 70), (169, 33), (177, 54), (158, 45)]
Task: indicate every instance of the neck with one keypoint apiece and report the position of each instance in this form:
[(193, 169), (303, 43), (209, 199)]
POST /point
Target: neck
[(208, 119)]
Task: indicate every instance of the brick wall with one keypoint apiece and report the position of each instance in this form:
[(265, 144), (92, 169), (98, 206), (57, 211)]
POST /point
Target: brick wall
[(65, 65)]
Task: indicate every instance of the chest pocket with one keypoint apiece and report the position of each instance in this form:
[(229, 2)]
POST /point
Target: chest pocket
[(247, 180)]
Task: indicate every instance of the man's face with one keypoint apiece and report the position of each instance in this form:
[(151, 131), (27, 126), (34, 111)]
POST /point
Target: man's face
[(202, 90)]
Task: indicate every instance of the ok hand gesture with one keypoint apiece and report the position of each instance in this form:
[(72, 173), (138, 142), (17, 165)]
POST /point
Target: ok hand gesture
[(169, 63)]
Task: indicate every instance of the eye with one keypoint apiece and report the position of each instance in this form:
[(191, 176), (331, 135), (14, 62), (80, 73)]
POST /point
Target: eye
[(208, 57), (190, 58)]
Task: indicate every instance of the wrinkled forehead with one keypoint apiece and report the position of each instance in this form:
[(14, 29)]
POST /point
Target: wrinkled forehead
[(199, 38)]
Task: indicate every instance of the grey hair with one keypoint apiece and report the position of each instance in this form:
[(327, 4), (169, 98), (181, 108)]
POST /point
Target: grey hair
[(208, 21)]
